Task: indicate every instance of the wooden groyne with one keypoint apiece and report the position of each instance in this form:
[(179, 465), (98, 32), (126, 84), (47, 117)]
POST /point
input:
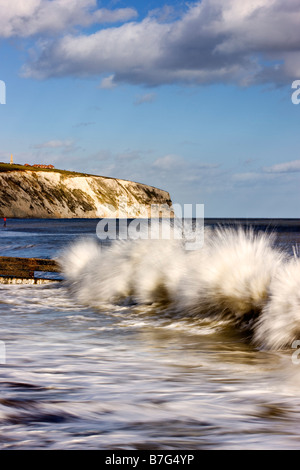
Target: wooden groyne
[(24, 270)]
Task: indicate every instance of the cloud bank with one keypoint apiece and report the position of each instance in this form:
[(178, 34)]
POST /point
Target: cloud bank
[(269, 173), (214, 41), (286, 167), (21, 18)]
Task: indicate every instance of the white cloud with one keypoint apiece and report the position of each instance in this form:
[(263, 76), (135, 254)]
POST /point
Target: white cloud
[(33, 17), (146, 98), (286, 167), (279, 172), (248, 176), (168, 162), (108, 83), (254, 41)]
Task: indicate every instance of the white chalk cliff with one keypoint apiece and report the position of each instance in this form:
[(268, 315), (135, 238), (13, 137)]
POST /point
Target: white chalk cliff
[(54, 194)]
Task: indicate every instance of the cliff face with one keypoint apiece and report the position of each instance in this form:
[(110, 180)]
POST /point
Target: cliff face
[(49, 194)]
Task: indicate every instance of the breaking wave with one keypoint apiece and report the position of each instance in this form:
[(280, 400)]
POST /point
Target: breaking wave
[(238, 275)]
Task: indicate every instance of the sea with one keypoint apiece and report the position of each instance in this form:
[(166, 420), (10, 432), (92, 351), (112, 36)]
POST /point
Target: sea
[(108, 359)]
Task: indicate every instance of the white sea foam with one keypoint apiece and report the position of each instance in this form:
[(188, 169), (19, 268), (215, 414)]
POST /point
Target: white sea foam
[(77, 257), (279, 323), (231, 275), (238, 274)]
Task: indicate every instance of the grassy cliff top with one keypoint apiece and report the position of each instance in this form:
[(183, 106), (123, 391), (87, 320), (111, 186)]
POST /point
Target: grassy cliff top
[(14, 167)]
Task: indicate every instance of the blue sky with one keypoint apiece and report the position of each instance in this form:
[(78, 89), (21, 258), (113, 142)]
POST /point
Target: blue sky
[(194, 98)]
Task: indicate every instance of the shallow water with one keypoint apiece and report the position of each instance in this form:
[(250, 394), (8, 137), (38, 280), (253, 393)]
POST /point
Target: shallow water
[(132, 376)]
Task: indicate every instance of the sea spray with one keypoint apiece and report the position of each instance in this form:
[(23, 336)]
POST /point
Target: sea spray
[(279, 322), (77, 257), (238, 275), (139, 271), (231, 275)]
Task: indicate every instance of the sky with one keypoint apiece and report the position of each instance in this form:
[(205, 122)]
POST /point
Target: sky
[(191, 97)]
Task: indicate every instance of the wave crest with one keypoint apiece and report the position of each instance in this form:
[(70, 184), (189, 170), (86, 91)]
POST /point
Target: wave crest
[(238, 274)]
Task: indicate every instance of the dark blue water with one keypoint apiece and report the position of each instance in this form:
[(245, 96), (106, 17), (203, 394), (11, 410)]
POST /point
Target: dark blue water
[(128, 378), (42, 238)]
